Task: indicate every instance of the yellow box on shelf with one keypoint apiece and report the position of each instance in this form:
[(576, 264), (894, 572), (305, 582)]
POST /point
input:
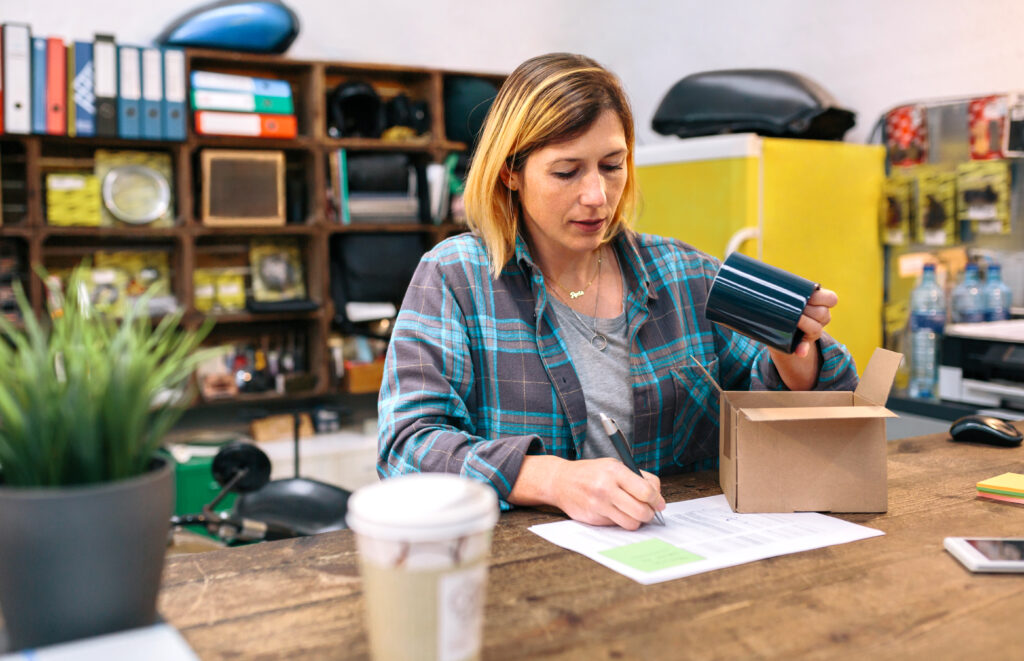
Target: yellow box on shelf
[(73, 200)]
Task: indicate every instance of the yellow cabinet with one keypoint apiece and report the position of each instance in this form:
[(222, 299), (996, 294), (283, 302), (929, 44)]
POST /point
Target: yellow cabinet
[(807, 206)]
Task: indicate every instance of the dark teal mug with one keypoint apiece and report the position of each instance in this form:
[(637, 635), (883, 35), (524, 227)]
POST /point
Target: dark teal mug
[(760, 301)]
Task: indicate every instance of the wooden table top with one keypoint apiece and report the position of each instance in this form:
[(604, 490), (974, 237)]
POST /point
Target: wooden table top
[(896, 596)]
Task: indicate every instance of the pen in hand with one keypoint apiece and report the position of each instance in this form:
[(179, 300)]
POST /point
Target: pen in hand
[(619, 441)]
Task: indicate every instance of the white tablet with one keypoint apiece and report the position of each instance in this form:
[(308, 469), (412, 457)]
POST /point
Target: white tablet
[(988, 554)]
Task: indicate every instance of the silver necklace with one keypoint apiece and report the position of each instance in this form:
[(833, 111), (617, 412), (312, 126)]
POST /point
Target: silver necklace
[(580, 292), (599, 341)]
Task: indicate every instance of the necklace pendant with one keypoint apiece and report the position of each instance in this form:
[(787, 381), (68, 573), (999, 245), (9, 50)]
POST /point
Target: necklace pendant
[(575, 294), (599, 342)]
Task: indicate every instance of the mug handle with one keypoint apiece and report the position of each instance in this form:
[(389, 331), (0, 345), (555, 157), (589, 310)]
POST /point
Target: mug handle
[(740, 237)]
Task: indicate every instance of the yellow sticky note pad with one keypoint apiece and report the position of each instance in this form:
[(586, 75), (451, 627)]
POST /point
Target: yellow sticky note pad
[(1013, 482)]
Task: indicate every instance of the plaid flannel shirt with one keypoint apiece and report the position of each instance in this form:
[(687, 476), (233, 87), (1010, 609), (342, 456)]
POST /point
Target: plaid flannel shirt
[(477, 374)]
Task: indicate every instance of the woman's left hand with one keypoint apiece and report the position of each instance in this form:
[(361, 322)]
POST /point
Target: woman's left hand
[(814, 319), (799, 370)]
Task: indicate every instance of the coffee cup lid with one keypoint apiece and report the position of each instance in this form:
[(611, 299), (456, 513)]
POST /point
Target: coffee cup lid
[(422, 507)]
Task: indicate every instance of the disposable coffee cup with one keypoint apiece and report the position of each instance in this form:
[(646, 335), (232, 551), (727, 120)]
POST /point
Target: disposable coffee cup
[(423, 545), (760, 301)]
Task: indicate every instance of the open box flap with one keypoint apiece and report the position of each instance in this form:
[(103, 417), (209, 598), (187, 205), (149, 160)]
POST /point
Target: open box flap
[(878, 376), (816, 413)]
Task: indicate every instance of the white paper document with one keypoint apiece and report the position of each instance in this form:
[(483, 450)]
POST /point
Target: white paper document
[(700, 535), (159, 642)]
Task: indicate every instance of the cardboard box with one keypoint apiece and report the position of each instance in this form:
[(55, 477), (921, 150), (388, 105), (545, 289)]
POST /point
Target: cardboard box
[(808, 451), (363, 377), (280, 427)]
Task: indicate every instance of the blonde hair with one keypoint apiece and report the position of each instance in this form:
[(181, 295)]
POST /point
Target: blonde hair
[(546, 100)]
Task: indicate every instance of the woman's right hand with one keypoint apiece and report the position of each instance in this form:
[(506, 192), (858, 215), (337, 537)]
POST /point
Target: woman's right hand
[(599, 492)]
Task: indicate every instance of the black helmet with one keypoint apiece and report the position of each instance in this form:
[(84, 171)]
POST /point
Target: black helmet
[(466, 102), (400, 110), (765, 101), (354, 111)]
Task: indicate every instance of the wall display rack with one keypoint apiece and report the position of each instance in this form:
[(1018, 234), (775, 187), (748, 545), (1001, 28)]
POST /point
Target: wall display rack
[(312, 218)]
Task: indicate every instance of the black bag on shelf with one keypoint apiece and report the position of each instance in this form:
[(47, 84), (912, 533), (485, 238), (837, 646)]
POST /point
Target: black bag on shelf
[(372, 268), (390, 173), (378, 173)]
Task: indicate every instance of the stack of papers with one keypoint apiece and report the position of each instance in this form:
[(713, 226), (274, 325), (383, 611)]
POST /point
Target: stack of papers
[(1008, 487)]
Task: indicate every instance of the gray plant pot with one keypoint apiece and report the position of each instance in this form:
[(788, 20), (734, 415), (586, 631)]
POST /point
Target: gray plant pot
[(82, 561)]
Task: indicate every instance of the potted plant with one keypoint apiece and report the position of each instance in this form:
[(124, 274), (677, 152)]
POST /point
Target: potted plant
[(85, 401)]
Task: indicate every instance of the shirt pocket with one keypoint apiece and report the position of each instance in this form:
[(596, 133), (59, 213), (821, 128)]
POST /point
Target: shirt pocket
[(695, 426)]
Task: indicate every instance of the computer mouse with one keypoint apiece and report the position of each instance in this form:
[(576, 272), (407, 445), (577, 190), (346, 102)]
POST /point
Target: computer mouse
[(985, 429)]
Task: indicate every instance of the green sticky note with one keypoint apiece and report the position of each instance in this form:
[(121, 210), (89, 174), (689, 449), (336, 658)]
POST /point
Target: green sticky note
[(651, 555)]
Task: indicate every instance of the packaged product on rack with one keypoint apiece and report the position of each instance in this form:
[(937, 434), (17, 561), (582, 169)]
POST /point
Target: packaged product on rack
[(204, 289), (107, 288), (897, 208), (219, 290), (276, 271), (906, 135), (1013, 137), (143, 270), (936, 204), (230, 285), (984, 195), (986, 126), (116, 279)]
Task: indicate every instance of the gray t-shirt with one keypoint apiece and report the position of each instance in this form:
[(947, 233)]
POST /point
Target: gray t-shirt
[(604, 375)]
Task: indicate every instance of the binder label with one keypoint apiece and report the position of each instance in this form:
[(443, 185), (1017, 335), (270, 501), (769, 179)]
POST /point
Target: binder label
[(131, 87), (17, 66), (174, 76), (105, 64), (151, 75)]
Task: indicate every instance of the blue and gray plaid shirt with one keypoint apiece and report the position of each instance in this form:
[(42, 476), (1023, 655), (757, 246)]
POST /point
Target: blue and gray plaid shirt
[(477, 374)]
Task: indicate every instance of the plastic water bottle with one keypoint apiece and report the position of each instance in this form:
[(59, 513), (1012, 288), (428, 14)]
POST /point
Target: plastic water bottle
[(996, 294), (927, 319), (968, 305)]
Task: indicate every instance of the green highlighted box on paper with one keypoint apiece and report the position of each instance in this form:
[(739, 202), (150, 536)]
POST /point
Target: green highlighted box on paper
[(651, 555)]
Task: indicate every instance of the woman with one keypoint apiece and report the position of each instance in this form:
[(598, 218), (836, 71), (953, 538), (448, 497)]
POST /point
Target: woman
[(513, 339)]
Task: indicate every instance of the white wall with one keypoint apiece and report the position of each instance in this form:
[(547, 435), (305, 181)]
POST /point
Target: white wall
[(871, 54)]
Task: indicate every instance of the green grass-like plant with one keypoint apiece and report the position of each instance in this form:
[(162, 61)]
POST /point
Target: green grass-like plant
[(85, 398)]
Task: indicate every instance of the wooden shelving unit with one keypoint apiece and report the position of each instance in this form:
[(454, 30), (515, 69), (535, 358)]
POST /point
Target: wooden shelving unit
[(25, 161)]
